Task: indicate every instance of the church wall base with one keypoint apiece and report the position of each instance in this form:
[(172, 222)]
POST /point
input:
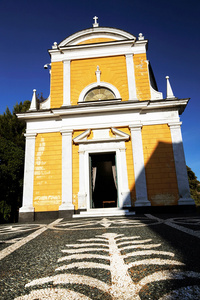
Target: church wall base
[(25, 217), (66, 213), (168, 209)]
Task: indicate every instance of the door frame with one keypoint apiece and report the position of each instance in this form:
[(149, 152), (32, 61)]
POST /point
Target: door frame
[(124, 198)]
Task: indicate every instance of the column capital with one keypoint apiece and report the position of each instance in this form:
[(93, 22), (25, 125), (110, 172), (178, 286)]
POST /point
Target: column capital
[(129, 55), (66, 131), (66, 61), (174, 124), (122, 149), (136, 126), (81, 151), (30, 135)]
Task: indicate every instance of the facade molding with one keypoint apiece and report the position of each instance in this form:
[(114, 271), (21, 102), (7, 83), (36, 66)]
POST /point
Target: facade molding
[(96, 85), (131, 77), (124, 199), (66, 171), (79, 36), (103, 106), (27, 202), (87, 51), (139, 168), (66, 83), (180, 165)]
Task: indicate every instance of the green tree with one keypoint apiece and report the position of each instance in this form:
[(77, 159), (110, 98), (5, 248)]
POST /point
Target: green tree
[(12, 144), (194, 186)]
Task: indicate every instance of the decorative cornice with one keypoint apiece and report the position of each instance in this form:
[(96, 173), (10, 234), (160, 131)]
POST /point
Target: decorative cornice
[(101, 107), (79, 36)]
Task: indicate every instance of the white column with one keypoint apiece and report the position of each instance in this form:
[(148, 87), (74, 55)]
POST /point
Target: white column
[(66, 83), (139, 168), (66, 171), (27, 204), (125, 192), (82, 192), (180, 165), (131, 77)]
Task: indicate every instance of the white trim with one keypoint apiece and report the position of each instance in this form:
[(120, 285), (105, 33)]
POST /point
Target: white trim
[(27, 204), (46, 103), (131, 77), (79, 36), (139, 168), (97, 50), (96, 85), (101, 107), (180, 165), (66, 171), (85, 150), (66, 83), (119, 136), (155, 95)]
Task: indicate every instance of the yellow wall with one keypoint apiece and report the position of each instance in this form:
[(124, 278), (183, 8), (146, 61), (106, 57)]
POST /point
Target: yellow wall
[(130, 166), (159, 165), (47, 191), (56, 84), (141, 77), (113, 70), (96, 40)]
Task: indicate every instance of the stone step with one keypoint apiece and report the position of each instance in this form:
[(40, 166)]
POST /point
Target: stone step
[(104, 212)]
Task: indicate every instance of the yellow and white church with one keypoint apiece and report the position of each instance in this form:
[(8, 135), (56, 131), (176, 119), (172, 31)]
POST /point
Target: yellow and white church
[(105, 141)]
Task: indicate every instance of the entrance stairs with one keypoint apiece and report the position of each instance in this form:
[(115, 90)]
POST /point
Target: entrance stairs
[(104, 212)]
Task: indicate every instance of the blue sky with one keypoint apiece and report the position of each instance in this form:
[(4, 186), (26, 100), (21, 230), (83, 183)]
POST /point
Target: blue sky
[(29, 28)]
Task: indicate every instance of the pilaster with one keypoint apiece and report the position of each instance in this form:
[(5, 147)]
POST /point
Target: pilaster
[(26, 212), (125, 192), (66, 83), (180, 165), (66, 171), (131, 77), (82, 189), (139, 168)]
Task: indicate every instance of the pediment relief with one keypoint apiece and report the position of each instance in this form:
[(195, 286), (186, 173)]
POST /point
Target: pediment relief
[(101, 135)]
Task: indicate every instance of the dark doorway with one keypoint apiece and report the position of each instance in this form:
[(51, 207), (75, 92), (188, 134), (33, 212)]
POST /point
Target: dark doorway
[(103, 180)]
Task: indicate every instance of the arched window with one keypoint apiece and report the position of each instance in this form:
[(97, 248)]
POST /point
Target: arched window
[(102, 91), (99, 93)]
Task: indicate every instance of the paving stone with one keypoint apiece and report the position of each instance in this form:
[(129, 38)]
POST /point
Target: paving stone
[(140, 257)]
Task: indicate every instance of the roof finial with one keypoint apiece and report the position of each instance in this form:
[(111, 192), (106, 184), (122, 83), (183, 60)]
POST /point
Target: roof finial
[(170, 94), (141, 37), (34, 101), (95, 24)]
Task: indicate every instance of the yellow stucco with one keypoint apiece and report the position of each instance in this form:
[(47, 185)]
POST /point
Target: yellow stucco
[(47, 190), (159, 165), (56, 84), (141, 77), (96, 40), (113, 71)]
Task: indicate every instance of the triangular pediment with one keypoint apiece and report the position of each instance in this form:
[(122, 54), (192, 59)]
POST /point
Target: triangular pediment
[(101, 135)]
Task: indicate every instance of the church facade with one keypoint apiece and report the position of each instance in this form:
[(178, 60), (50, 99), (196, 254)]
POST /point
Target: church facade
[(105, 139)]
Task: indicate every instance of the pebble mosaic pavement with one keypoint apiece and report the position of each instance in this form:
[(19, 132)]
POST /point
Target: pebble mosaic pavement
[(140, 257)]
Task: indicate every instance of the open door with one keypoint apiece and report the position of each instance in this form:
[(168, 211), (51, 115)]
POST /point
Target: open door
[(103, 180)]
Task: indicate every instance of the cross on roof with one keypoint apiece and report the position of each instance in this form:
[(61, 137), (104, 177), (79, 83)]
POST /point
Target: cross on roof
[(95, 24)]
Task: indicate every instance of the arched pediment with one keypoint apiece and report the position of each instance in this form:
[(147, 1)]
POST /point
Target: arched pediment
[(107, 33)]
